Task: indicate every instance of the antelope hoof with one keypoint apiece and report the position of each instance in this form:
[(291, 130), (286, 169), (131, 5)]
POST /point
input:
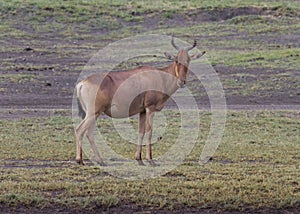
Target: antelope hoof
[(152, 163), (80, 162), (140, 162), (101, 163)]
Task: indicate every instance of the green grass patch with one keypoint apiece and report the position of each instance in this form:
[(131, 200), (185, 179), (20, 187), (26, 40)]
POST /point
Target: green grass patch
[(278, 58), (256, 166), (246, 41), (17, 78), (34, 140), (7, 31), (263, 84), (97, 6), (105, 15)]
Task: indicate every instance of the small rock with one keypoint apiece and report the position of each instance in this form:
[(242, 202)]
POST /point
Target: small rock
[(28, 49)]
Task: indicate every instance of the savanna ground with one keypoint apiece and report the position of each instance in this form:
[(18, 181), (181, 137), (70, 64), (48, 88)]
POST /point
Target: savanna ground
[(254, 48)]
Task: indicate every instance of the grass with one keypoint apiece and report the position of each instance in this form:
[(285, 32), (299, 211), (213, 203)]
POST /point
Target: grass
[(17, 78), (261, 83), (256, 166), (106, 15), (279, 58), (32, 144), (235, 42), (96, 6), (249, 41)]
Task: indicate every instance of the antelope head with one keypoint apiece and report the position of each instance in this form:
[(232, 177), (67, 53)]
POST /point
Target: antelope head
[(181, 62)]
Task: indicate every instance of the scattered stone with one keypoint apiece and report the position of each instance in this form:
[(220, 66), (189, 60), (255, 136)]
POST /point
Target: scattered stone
[(28, 49)]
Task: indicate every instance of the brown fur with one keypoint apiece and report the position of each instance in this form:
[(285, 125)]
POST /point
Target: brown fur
[(142, 91)]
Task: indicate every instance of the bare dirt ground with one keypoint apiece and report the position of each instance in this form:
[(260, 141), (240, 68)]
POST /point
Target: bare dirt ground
[(129, 209), (44, 70)]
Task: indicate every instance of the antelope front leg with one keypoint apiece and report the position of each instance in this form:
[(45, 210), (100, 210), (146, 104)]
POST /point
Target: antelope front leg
[(149, 124), (138, 154)]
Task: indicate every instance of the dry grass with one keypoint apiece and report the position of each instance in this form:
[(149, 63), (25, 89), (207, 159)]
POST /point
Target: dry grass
[(257, 166)]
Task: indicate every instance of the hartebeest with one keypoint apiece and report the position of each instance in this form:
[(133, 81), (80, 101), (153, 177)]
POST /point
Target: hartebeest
[(142, 91)]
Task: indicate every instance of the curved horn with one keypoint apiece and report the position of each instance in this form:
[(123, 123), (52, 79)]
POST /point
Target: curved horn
[(194, 45), (173, 44)]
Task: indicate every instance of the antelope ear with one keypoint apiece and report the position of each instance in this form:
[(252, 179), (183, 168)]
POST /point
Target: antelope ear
[(169, 56), (197, 56)]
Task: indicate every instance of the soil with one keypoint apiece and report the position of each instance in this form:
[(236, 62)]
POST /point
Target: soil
[(45, 81), (133, 209)]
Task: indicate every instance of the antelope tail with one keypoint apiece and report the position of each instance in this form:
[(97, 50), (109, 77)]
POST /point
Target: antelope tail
[(81, 110)]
